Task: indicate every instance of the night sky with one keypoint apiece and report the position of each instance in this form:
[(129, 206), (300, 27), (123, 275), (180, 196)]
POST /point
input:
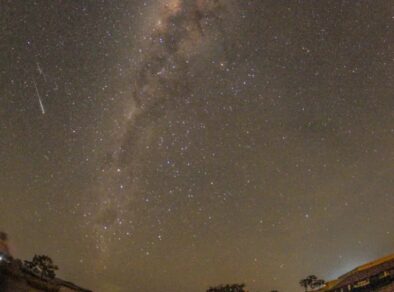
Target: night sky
[(171, 145)]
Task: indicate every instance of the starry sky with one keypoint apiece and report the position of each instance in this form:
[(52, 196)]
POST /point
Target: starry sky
[(171, 145)]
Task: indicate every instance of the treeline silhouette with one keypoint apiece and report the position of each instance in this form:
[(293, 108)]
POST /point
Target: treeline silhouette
[(228, 288), (310, 283)]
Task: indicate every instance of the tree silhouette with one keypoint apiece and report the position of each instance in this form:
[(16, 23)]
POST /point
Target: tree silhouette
[(311, 282), (42, 265), (317, 283), (228, 288), (304, 283)]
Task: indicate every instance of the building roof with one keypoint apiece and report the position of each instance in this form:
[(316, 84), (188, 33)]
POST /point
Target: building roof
[(365, 271)]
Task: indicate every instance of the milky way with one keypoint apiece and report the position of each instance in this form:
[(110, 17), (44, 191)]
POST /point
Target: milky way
[(175, 145), (176, 36)]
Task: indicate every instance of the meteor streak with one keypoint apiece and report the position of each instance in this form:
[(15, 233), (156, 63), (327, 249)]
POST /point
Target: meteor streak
[(39, 98)]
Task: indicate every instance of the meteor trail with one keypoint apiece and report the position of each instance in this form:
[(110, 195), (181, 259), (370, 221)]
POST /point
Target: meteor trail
[(39, 98), (41, 71)]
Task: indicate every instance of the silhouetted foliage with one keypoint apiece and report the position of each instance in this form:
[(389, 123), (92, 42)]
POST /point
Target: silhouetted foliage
[(228, 288), (42, 265), (318, 283), (304, 283), (311, 282)]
